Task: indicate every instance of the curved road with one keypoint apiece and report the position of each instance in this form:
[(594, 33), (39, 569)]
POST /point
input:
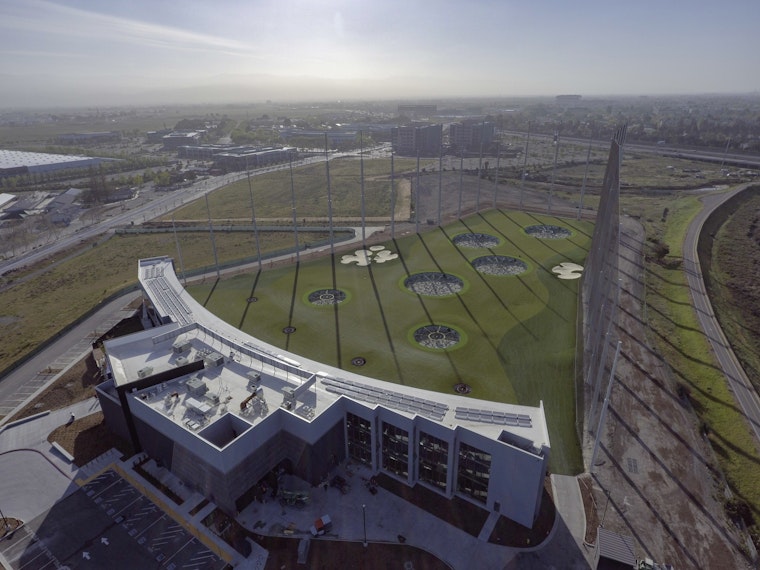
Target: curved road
[(738, 382)]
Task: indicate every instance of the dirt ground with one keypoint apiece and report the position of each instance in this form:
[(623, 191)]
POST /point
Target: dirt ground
[(76, 384), (87, 438), (653, 479)]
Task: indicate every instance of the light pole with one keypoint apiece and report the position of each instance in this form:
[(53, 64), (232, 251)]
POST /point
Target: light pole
[(7, 527), (607, 504), (364, 520)]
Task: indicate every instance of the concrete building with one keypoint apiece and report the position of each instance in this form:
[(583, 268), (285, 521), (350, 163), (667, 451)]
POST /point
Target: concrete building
[(471, 135), (418, 110), (89, 137), (6, 200), (241, 158), (176, 139), (334, 136), (63, 208), (222, 410), (207, 151), (422, 139), (16, 162)]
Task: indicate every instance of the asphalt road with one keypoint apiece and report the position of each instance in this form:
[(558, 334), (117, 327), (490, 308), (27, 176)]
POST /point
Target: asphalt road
[(24, 381), (140, 213), (106, 524), (744, 392)]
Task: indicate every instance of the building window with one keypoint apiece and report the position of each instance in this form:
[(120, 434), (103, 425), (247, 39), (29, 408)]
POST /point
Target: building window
[(359, 437), (474, 472), (395, 450), (433, 460)]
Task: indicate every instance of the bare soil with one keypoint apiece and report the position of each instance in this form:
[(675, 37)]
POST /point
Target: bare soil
[(78, 382), (88, 438), (76, 385), (654, 473), (593, 510)]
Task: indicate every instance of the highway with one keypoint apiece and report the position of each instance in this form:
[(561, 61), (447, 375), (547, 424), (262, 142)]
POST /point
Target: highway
[(153, 208), (744, 392), (708, 155)]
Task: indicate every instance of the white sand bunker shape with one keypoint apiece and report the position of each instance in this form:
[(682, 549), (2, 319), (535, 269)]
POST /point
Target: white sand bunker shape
[(567, 270), (363, 257)]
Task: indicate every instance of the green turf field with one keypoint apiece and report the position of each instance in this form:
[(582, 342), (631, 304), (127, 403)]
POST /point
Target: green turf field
[(517, 332)]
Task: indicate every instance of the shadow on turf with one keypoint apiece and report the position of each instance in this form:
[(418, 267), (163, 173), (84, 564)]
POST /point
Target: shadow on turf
[(250, 296)]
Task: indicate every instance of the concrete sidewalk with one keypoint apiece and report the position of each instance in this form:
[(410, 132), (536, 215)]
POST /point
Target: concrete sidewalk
[(387, 516)]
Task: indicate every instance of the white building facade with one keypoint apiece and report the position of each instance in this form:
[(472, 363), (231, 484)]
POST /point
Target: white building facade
[(221, 410)]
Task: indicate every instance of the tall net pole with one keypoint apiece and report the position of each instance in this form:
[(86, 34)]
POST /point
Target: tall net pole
[(361, 179), (496, 178), (253, 214), (585, 176), (213, 240), (329, 200), (293, 207), (480, 167), (525, 166), (554, 168), (440, 179), (417, 196), (461, 174), (179, 252), (393, 199)]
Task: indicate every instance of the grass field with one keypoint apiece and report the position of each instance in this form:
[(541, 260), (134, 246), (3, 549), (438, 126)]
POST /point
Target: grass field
[(676, 333), (36, 305), (518, 333), (272, 192)]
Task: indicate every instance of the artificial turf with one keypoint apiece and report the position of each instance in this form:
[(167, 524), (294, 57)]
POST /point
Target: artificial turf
[(518, 332)]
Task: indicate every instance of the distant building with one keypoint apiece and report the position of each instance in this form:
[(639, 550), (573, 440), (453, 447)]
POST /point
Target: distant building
[(334, 136), (15, 162), (413, 140), (417, 110), (241, 158), (471, 135), (157, 136), (89, 138), (568, 99), (120, 195), (62, 209), (27, 204), (207, 151), (176, 139), (6, 200)]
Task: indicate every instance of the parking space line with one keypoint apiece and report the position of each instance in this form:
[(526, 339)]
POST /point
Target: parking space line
[(39, 553), (203, 556), (126, 507), (179, 550), (153, 523)]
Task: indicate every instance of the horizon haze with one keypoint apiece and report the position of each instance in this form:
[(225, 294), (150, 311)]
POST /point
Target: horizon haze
[(74, 53)]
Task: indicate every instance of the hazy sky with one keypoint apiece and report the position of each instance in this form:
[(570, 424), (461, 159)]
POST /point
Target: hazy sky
[(120, 50)]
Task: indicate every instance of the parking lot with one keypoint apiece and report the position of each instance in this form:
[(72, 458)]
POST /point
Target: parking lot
[(107, 524)]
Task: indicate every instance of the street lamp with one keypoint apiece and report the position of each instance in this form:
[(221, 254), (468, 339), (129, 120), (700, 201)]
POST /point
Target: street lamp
[(607, 504), (364, 519), (7, 527)]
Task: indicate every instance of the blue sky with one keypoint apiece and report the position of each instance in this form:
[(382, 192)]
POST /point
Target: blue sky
[(114, 50)]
